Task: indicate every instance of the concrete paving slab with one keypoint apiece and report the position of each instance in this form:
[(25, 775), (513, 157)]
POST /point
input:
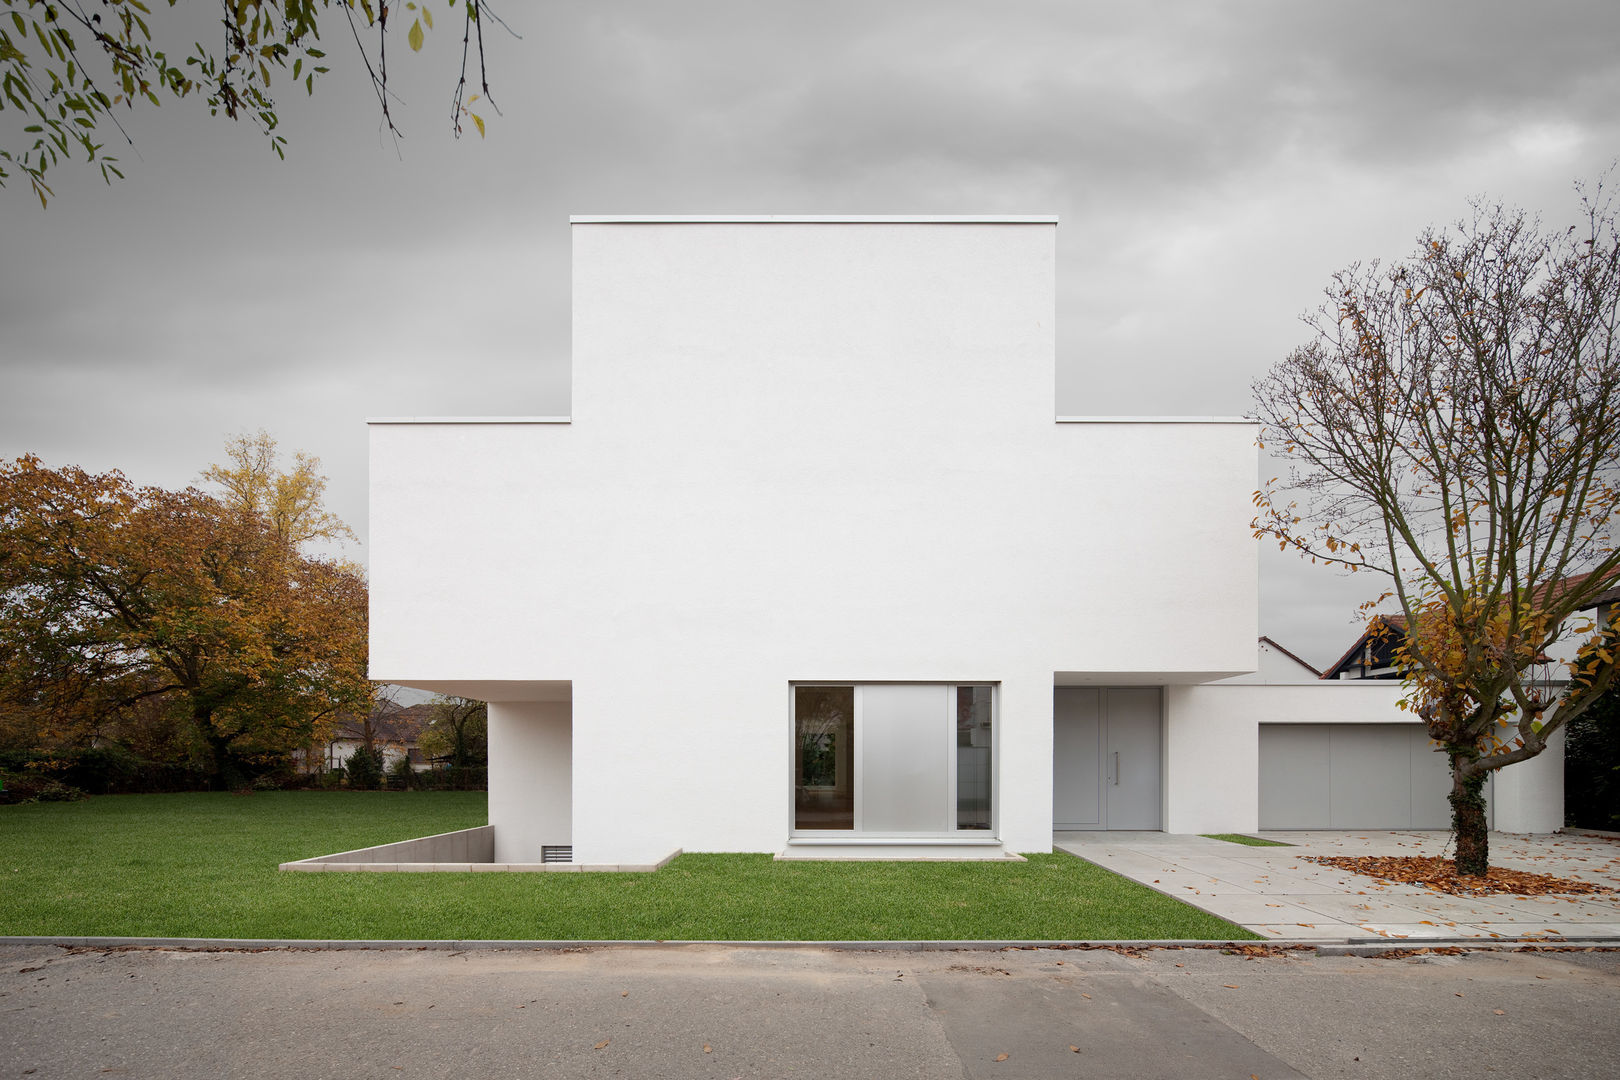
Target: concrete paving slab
[(1252, 909), (1360, 909), (1226, 879), (1290, 885), (1302, 931), (1422, 931), (1562, 909), (1476, 909), (1600, 931), (1214, 864)]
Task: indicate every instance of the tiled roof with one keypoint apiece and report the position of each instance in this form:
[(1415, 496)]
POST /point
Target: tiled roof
[(1388, 627), (392, 723)]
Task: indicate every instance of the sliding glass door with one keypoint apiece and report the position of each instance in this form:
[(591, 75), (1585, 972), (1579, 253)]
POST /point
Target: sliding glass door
[(893, 759)]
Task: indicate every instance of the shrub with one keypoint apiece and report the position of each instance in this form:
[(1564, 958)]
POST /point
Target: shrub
[(467, 778), (401, 777), (104, 770), (29, 788), (1592, 766), (365, 769)]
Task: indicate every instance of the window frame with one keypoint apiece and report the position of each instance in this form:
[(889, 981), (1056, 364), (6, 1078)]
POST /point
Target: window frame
[(857, 834)]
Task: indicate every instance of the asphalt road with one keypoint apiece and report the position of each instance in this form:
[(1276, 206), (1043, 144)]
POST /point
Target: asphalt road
[(723, 1012)]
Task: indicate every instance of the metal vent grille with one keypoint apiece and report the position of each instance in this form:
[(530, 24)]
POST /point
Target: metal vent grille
[(560, 853)]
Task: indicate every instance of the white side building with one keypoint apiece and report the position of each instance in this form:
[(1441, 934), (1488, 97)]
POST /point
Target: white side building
[(814, 568)]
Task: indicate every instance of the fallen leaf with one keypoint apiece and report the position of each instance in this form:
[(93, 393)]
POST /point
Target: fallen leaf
[(1441, 875), (1001, 1057), (1074, 1049), (707, 1049), (1459, 993), (601, 1044), (1230, 986), (1498, 1012)]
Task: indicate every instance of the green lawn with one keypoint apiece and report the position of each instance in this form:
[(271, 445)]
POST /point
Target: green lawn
[(1239, 838), (204, 865)]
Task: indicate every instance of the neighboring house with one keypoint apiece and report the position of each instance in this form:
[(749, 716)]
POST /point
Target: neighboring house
[(814, 568), (1373, 654), (395, 730)]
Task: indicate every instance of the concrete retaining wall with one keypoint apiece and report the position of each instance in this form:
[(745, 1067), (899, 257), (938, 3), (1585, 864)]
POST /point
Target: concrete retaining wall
[(463, 851)]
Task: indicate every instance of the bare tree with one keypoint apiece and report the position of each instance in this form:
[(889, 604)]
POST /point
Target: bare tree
[(1453, 426), (458, 731)]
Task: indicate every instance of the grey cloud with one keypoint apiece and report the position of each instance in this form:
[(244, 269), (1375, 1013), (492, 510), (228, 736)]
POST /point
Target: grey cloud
[(1212, 163)]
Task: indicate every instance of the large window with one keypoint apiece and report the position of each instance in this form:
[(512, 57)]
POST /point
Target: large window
[(893, 759)]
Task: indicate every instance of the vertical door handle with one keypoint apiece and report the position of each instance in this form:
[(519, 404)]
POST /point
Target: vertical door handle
[(1116, 768)]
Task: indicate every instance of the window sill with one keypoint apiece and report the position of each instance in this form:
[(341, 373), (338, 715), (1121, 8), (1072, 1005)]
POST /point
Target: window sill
[(967, 840)]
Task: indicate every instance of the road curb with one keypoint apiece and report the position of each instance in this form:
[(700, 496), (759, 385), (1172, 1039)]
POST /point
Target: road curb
[(1344, 947), (456, 945)]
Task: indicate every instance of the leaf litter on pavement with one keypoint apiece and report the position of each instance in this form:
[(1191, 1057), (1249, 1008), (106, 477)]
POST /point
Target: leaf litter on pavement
[(1440, 874)]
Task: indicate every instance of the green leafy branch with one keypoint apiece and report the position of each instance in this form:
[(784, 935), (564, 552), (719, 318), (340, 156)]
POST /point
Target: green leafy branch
[(70, 66)]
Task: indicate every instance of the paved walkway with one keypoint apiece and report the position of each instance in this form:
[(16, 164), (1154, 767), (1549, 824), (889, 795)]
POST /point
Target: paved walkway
[(1275, 893)]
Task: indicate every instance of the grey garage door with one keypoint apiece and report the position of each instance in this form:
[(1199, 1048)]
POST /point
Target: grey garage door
[(1351, 776)]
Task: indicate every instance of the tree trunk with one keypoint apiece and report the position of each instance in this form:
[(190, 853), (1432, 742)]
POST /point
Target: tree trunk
[(225, 776), (1468, 815)]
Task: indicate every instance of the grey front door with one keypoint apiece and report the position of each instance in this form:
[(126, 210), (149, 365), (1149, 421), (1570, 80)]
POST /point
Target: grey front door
[(1106, 757)]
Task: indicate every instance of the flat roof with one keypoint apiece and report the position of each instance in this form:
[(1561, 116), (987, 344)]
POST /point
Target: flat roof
[(813, 219), (468, 420), (1155, 420)]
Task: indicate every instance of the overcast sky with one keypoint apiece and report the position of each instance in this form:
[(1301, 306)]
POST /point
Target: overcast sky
[(1212, 164)]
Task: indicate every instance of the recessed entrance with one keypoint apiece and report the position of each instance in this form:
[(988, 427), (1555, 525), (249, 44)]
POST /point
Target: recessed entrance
[(1106, 749)]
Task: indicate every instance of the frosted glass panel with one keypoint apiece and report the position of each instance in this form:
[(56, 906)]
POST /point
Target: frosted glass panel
[(904, 758)]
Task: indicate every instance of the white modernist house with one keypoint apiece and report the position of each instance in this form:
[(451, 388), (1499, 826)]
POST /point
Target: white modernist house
[(813, 567)]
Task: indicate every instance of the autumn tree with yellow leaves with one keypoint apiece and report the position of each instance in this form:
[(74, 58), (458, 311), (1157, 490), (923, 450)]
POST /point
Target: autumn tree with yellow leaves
[(1453, 427), (115, 599)]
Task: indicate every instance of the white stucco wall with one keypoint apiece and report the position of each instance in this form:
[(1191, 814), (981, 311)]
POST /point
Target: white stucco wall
[(803, 452), (1212, 742), (1529, 797), (1275, 668), (530, 778)]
